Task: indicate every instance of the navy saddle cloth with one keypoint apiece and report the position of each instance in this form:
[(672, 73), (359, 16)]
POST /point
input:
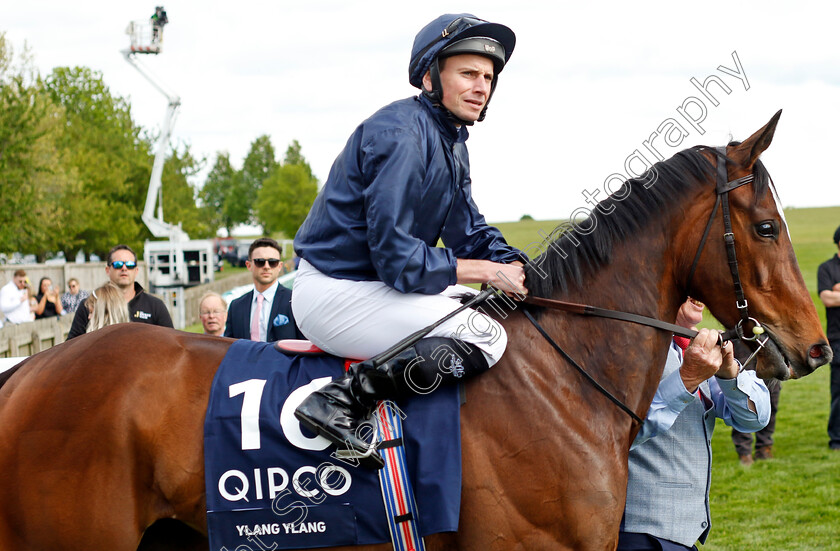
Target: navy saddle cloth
[(268, 479)]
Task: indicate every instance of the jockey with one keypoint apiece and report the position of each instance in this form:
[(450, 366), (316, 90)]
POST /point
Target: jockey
[(370, 273)]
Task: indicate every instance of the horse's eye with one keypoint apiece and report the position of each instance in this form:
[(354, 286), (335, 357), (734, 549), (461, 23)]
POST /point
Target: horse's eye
[(767, 229)]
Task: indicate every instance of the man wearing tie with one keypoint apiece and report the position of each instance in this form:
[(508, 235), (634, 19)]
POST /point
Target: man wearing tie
[(263, 314)]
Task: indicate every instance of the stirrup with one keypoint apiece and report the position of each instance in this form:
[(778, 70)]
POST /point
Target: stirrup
[(369, 459)]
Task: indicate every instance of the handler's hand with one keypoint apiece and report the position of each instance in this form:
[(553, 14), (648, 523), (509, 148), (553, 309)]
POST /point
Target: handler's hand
[(729, 368), (704, 358)]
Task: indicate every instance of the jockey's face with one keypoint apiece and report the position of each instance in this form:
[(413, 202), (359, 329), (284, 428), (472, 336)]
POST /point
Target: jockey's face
[(466, 80)]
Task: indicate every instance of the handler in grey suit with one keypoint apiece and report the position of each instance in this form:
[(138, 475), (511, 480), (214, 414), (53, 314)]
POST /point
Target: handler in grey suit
[(671, 459)]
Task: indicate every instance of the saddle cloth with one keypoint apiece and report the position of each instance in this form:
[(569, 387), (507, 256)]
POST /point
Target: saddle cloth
[(273, 484)]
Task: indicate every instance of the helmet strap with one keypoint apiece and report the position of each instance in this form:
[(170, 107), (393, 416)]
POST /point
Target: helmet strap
[(492, 89)]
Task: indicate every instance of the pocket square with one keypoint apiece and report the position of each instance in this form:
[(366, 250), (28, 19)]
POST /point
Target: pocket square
[(280, 320)]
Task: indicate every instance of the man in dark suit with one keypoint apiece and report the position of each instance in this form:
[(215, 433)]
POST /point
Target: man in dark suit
[(264, 314)]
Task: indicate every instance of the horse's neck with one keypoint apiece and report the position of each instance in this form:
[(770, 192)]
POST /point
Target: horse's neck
[(625, 358), (639, 278)]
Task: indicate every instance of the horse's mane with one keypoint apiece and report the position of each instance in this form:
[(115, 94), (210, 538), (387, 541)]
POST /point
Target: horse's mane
[(572, 253)]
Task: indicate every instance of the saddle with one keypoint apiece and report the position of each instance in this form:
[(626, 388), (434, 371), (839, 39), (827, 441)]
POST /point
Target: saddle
[(298, 346)]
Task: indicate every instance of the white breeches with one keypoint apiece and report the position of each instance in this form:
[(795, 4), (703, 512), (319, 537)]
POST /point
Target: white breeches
[(360, 319)]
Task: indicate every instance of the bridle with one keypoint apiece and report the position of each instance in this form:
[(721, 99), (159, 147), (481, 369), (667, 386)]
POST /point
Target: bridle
[(722, 188)]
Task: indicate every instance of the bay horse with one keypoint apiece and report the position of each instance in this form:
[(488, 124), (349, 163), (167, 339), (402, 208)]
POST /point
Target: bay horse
[(101, 436)]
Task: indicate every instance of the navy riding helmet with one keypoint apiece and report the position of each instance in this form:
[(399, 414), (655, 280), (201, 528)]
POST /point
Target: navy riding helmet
[(453, 34)]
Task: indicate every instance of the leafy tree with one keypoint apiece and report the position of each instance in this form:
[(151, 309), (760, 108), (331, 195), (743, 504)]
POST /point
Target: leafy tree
[(225, 206), (110, 157), (36, 183), (286, 197), (295, 157), (257, 167)]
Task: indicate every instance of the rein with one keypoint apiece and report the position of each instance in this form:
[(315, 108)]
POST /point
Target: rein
[(722, 189), (582, 371)]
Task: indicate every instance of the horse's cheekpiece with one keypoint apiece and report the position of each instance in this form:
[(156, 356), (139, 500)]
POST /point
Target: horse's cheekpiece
[(267, 477)]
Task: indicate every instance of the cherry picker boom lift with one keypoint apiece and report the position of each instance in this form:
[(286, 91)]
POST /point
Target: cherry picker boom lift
[(178, 262)]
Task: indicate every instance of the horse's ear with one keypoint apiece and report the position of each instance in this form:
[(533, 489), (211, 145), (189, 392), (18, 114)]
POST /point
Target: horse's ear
[(747, 153)]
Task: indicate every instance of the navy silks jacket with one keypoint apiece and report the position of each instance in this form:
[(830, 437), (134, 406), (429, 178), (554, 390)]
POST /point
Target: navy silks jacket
[(401, 183)]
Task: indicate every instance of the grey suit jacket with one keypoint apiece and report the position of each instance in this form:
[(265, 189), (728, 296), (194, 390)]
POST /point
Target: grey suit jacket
[(668, 493), (670, 461)]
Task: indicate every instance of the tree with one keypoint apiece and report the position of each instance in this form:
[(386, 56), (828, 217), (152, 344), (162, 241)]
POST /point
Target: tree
[(36, 183), (110, 156), (257, 167), (286, 197), (225, 206), (295, 157)]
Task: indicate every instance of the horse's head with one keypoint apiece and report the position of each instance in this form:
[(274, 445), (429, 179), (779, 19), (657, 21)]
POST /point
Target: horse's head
[(774, 292)]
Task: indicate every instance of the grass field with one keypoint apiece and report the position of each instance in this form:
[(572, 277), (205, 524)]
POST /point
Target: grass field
[(791, 502)]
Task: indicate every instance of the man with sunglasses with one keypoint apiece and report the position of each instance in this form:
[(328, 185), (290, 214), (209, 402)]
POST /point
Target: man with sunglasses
[(264, 314), (121, 268), (370, 272)]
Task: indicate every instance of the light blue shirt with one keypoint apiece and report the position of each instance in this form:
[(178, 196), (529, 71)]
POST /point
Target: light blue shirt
[(729, 397), (265, 313)]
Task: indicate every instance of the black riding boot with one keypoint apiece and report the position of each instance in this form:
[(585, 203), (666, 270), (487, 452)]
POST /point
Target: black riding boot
[(337, 410)]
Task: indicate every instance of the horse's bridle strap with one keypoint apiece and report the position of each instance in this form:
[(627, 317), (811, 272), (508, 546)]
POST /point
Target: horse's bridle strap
[(723, 188)]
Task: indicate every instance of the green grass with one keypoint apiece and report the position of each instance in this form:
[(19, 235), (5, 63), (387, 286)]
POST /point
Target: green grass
[(791, 502)]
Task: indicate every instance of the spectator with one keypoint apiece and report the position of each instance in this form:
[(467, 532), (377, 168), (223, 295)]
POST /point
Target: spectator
[(264, 314), (70, 301), (47, 303), (670, 461), (33, 302), (212, 309), (14, 299), (828, 287), (121, 268), (764, 438), (106, 306)]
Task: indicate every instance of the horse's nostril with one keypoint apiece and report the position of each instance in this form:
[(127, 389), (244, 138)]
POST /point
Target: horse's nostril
[(819, 354)]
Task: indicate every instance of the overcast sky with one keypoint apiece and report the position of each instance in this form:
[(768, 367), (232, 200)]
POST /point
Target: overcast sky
[(588, 83)]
